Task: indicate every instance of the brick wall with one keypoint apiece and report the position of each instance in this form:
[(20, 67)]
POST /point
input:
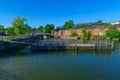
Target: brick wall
[(95, 31)]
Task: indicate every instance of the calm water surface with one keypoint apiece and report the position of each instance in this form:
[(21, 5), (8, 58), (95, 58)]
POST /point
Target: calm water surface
[(61, 65)]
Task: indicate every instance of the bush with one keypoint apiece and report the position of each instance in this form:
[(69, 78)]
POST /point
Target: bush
[(73, 34), (113, 33), (86, 34), (98, 37)]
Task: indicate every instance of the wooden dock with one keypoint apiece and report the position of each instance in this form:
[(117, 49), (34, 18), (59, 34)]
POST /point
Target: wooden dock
[(66, 45)]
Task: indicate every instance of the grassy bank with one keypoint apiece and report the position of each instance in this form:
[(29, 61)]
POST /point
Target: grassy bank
[(3, 38)]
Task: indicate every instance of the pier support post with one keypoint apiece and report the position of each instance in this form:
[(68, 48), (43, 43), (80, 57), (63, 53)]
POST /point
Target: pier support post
[(106, 44), (100, 45), (94, 45), (112, 45)]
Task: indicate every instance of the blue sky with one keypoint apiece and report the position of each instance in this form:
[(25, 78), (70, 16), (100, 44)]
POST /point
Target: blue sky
[(41, 12)]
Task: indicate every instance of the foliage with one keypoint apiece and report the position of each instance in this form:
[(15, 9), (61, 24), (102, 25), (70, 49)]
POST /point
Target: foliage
[(92, 24), (113, 33), (18, 25), (58, 27), (98, 37), (34, 30), (1, 28), (40, 29), (13, 37), (27, 29), (86, 35), (73, 33), (9, 30), (48, 28), (68, 24)]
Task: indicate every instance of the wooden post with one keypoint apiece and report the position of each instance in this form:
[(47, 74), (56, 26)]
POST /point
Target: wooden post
[(106, 45), (94, 45), (112, 45), (75, 47), (100, 45)]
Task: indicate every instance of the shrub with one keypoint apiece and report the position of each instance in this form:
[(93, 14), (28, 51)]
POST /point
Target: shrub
[(73, 34), (113, 33), (86, 35)]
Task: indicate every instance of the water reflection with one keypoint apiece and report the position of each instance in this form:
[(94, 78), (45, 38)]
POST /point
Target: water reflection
[(60, 65), (107, 53)]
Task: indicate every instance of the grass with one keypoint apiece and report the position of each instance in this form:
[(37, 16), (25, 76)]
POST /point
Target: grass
[(3, 38)]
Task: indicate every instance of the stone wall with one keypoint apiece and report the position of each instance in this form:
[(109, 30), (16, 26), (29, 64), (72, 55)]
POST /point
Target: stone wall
[(95, 31)]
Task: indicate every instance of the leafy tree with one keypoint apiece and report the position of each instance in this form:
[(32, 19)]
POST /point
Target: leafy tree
[(92, 24), (58, 27), (113, 33), (34, 30), (86, 35), (40, 29), (99, 22), (9, 30), (18, 25), (48, 28), (1, 28), (27, 29), (68, 24)]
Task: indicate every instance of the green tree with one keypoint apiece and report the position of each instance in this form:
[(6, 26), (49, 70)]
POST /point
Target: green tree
[(58, 27), (1, 28), (34, 30), (68, 24), (86, 35), (27, 29), (48, 28), (99, 22), (40, 29), (9, 30), (18, 25), (113, 33)]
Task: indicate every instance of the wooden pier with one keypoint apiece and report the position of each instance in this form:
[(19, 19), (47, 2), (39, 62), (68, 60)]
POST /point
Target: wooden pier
[(74, 45)]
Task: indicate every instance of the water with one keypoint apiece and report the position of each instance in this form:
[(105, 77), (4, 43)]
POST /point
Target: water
[(60, 65)]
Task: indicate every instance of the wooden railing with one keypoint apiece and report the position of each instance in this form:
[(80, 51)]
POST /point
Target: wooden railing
[(63, 42)]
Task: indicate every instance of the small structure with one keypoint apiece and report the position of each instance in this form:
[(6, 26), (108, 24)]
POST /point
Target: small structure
[(115, 23), (63, 44)]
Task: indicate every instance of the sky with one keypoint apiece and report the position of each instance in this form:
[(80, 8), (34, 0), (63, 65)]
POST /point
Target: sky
[(57, 12)]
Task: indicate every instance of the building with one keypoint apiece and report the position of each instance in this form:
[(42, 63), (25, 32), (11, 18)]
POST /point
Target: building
[(94, 31), (115, 23)]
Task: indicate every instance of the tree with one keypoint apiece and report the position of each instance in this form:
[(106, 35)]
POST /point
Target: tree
[(99, 22), (86, 35), (27, 29), (68, 24), (40, 29), (58, 27), (18, 25), (48, 28), (34, 30), (113, 33), (1, 28), (9, 30)]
